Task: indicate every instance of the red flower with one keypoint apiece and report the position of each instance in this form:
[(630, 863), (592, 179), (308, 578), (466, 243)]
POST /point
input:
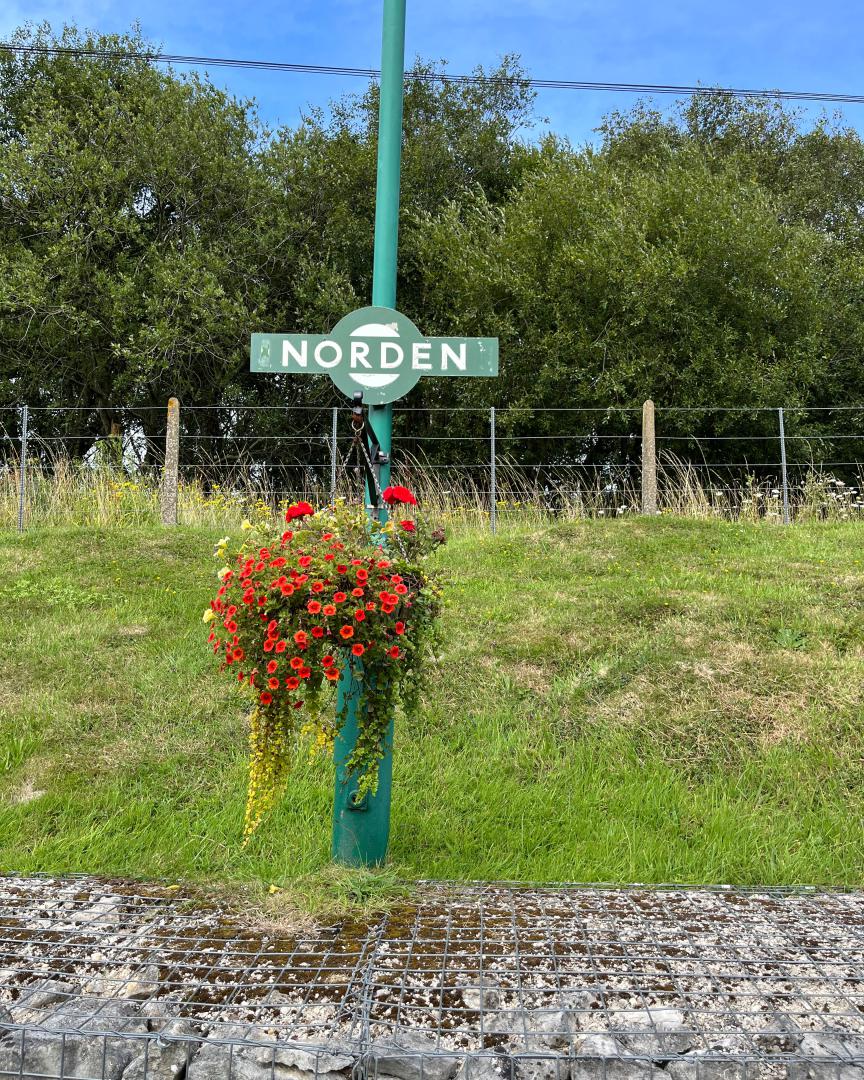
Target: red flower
[(287, 535), (296, 662), (408, 526), (271, 666), (305, 560), (281, 646), (292, 682), (401, 589), (347, 632), (357, 592), (399, 627), (358, 649), (359, 614), (304, 672), (340, 597), (268, 645), (266, 698), (317, 631), (317, 586), (326, 536), (299, 510), (327, 661), (394, 652), (313, 607), (362, 575), (273, 684), (398, 494)]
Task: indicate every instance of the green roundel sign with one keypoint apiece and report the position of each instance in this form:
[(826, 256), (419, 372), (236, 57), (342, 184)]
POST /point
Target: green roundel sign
[(375, 350)]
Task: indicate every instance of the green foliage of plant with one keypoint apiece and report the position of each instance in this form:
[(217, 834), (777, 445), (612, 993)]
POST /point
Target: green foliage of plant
[(713, 256)]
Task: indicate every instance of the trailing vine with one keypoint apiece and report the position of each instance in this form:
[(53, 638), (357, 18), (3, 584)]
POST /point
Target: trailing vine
[(301, 606)]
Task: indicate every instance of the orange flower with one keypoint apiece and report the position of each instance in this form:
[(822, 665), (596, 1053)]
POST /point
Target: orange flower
[(340, 597), (358, 649), (332, 674), (292, 682), (347, 632), (329, 609), (266, 698), (301, 637), (313, 607)]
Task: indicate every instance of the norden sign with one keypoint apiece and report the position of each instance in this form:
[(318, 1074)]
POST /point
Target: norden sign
[(376, 350)]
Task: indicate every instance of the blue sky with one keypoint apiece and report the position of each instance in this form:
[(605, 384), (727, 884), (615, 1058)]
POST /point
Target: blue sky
[(794, 45)]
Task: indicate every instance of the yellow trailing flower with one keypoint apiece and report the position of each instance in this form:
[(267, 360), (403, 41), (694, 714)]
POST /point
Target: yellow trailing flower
[(247, 525), (209, 615)]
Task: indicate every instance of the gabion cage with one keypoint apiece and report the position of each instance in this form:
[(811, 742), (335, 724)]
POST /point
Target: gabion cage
[(110, 980)]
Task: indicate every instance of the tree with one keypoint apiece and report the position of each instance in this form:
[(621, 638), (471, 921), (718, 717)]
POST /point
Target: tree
[(130, 239)]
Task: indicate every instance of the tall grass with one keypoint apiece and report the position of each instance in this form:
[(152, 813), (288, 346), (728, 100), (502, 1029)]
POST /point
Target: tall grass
[(61, 491)]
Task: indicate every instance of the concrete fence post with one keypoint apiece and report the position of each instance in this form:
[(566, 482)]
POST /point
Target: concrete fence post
[(22, 467), (171, 472), (649, 459), (784, 476), (333, 454)]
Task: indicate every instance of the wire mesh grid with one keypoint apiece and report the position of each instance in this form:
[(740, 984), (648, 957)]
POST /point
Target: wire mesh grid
[(111, 979)]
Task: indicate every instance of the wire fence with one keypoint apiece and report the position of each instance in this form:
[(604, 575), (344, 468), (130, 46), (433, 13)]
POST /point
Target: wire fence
[(116, 980), (201, 463)]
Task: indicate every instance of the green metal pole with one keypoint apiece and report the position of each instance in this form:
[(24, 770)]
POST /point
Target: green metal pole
[(361, 830)]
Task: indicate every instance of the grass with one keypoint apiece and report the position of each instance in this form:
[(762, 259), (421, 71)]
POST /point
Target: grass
[(62, 492), (639, 700)]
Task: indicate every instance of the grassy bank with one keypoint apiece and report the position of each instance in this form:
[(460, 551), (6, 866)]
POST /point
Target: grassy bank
[(659, 700)]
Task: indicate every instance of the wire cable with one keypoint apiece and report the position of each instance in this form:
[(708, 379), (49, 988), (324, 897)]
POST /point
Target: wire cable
[(431, 76)]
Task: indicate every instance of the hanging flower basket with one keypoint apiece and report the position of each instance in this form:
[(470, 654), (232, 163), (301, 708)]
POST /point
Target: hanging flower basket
[(299, 606)]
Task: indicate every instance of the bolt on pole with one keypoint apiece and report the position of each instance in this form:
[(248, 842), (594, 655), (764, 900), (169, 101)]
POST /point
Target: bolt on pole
[(783, 473), (361, 828), (22, 468)]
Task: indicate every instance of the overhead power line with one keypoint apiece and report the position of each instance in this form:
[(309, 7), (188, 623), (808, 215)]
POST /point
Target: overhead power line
[(374, 73)]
